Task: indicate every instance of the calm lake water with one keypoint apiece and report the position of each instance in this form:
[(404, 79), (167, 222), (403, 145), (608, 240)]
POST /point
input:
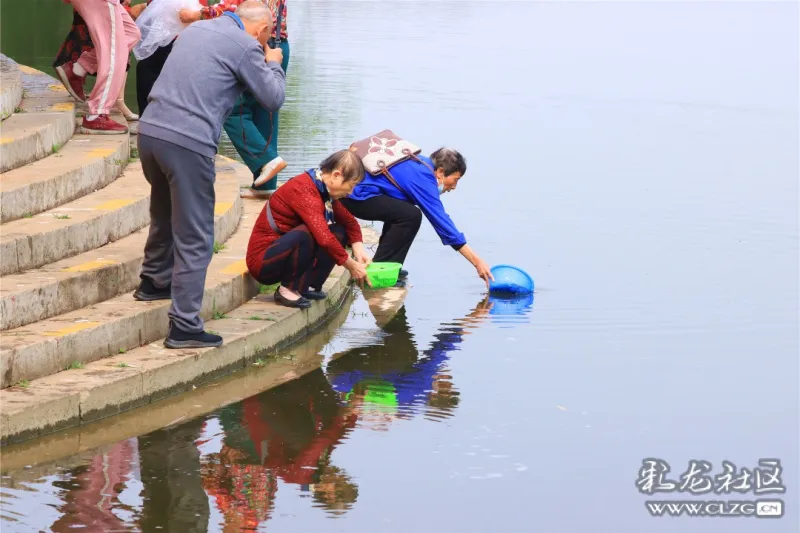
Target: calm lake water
[(639, 159)]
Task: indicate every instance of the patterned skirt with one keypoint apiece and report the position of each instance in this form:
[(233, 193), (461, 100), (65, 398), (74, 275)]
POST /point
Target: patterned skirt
[(77, 42)]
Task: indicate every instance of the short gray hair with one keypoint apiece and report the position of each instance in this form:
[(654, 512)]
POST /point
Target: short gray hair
[(254, 11), (449, 160)]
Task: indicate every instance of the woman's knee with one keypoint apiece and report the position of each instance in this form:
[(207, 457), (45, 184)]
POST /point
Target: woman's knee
[(413, 217)]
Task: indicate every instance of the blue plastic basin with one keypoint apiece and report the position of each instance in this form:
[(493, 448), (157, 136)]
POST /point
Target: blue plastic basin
[(510, 280)]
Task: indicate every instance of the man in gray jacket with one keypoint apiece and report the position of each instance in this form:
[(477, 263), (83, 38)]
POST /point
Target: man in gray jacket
[(211, 64)]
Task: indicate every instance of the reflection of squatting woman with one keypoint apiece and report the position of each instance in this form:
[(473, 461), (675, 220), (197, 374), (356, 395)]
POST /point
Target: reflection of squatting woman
[(253, 130), (286, 433)]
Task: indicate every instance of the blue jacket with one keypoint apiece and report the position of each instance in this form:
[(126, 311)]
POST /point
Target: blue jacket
[(422, 190)]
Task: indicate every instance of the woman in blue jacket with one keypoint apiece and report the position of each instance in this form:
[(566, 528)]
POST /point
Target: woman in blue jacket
[(421, 183)]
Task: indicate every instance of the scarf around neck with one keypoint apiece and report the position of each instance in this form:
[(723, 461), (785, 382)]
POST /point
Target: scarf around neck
[(323, 192)]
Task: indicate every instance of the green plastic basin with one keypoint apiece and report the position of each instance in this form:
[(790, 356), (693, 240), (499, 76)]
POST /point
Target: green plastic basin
[(382, 275)]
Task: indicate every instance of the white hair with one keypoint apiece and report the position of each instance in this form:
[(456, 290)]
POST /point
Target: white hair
[(254, 11)]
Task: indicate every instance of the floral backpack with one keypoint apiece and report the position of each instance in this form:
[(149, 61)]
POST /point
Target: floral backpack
[(383, 150)]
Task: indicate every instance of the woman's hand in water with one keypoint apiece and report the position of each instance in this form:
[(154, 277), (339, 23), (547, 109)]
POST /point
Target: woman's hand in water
[(358, 271), (484, 272), (360, 254)]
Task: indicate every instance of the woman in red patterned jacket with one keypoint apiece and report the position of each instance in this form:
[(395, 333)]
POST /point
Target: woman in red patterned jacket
[(303, 229)]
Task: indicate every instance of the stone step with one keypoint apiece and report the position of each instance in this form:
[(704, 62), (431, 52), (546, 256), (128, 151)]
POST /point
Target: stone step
[(103, 273), (151, 372), (10, 87), (85, 164), (46, 121), (79, 226), (277, 367), (122, 323)]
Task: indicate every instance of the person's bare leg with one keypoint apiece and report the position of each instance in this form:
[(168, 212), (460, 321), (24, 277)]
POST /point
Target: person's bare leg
[(129, 115)]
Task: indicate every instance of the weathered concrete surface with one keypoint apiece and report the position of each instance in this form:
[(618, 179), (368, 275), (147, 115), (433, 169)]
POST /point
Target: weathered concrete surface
[(10, 86), (104, 273), (85, 164), (122, 323), (84, 224), (27, 137), (46, 123), (146, 374), (35, 455)]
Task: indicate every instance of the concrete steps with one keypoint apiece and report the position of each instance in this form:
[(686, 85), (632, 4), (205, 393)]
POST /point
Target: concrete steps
[(85, 164), (78, 226), (99, 274), (74, 223), (28, 137), (10, 87), (122, 323), (151, 372), (44, 123)]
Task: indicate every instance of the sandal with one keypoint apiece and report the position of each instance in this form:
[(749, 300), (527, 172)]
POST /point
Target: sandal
[(255, 194), (300, 303), (269, 171)]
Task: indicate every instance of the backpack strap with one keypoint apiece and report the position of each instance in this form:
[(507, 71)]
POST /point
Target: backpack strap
[(271, 221), (388, 175), (418, 160)]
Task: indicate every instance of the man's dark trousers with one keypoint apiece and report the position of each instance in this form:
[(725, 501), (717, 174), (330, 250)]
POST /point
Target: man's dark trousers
[(181, 239)]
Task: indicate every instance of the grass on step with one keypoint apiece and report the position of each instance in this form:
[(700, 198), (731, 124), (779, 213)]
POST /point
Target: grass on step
[(24, 384), (75, 365), (18, 110), (266, 318), (56, 148), (123, 365), (27, 215), (265, 289), (218, 247), (218, 315), (61, 217)]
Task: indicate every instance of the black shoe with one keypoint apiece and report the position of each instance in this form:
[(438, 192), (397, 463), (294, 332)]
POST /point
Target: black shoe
[(147, 292), (314, 295), (178, 338), (300, 303), (403, 274)]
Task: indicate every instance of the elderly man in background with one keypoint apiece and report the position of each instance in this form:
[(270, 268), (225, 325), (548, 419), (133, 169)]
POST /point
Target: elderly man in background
[(210, 65)]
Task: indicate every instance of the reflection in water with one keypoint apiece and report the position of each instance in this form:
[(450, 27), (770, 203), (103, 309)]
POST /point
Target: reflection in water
[(394, 380), (91, 495), (510, 310), (170, 472), (284, 434), (231, 464), (290, 432)]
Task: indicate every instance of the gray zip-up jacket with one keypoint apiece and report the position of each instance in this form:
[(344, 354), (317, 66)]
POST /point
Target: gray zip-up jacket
[(212, 62)]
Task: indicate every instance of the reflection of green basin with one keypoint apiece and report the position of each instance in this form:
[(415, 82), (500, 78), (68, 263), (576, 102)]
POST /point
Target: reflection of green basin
[(377, 392)]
